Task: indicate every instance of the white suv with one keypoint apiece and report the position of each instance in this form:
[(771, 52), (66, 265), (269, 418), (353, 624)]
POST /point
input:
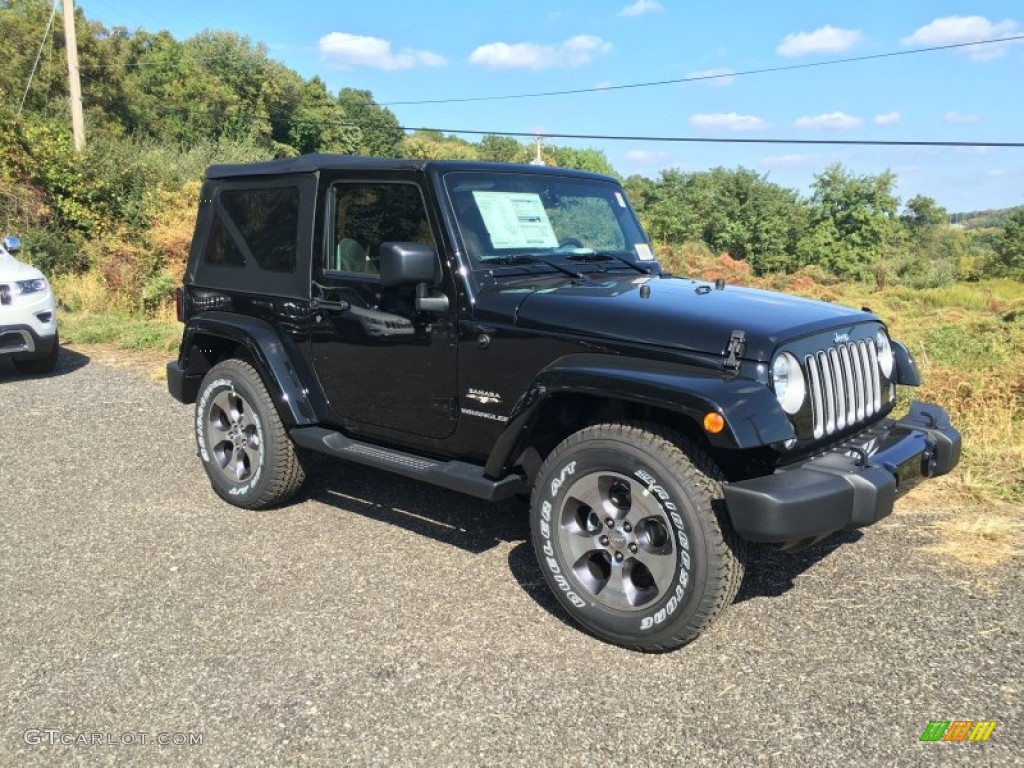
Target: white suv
[(28, 314)]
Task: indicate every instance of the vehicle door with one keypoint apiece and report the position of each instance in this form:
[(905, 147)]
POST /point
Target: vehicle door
[(385, 366)]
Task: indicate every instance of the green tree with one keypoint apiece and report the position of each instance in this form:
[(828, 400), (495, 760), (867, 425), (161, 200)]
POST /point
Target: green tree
[(593, 160), (853, 227), (1009, 247), (738, 212), (503, 149), (379, 134), (318, 123), (22, 23), (434, 145), (923, 213), (935, 253)]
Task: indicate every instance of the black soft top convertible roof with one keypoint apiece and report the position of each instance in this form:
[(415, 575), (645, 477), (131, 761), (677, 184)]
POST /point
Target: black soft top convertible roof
[(311, 163)]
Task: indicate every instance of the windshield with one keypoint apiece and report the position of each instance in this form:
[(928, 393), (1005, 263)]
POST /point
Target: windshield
[(504, 215)]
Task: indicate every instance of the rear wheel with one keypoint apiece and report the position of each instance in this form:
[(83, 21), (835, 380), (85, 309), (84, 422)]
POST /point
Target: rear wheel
[(626, 524), (247, 454)]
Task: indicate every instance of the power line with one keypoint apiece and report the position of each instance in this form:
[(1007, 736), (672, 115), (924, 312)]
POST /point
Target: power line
[(42, 43), (717, 140), (698, 78), (241, 116)]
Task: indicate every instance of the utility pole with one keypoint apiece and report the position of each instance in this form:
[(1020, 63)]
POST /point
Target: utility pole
[(71, 42), (539, 158)]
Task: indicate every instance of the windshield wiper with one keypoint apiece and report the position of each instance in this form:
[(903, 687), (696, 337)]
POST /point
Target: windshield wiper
[(590, 255), (532, 258)]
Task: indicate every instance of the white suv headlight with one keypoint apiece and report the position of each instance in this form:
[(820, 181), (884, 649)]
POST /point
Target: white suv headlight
[(788, 382), (31, 286), (885, 356)]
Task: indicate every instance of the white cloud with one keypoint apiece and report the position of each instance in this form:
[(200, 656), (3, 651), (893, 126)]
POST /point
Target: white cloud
[(999, 172), (716, 78), (347, 51), (648, 157), (889, 118), (956, 117), (780, 162), (827, 39), (574, 52), (728, 122), (833, 121), (951, 30), (641, 7)]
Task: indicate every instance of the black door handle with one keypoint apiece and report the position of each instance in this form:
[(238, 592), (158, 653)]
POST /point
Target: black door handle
[(336, 306)]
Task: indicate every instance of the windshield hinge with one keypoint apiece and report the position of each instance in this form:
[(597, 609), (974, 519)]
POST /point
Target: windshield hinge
[(737, 343)]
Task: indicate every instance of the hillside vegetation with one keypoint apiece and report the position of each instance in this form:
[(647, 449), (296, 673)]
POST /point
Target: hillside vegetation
[(112, 225)]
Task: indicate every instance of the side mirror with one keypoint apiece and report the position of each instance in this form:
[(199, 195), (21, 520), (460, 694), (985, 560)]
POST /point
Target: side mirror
[(412, 264), (406, 264), (12, 244)]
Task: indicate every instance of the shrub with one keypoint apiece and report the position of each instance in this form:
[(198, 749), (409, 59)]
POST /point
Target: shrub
[(157, 291), (53, 252)]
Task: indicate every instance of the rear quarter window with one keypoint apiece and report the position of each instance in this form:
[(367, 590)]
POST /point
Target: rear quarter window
[(254, 236), (259, 223)]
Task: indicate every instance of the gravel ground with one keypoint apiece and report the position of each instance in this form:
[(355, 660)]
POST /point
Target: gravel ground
[(379, 622)]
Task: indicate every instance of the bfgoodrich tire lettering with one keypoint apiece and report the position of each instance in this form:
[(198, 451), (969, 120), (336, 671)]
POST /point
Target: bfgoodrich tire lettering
[(626, 527), (247, 454)]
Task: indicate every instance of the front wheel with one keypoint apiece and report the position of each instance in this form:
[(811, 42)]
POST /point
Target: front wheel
[(40, 365), (247, 454), (625, 523)]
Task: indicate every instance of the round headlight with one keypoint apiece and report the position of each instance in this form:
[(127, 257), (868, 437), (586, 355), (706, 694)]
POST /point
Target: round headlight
[(788, 382), (884, 349)]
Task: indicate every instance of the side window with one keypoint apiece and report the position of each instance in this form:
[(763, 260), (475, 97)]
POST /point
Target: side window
[(263, 223), (369, 213)]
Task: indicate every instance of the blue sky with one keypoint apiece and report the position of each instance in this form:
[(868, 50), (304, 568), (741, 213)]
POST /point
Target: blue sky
[(404, 51)]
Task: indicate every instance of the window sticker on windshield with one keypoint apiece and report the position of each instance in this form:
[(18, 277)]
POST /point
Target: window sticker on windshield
[(621, 200), (643, 252), (515, 219)]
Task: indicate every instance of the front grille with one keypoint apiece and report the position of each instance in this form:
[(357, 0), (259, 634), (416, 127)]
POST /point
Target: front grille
[(5, 294), (844, 384)]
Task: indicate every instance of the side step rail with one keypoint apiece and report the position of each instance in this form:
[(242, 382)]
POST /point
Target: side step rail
[(454, 475)]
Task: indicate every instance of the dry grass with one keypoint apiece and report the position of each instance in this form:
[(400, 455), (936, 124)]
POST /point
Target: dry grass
[(149, 362), (87, 292), (172, 218), (991, 539)]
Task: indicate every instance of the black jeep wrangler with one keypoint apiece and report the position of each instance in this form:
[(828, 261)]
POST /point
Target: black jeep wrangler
[(505, 330)]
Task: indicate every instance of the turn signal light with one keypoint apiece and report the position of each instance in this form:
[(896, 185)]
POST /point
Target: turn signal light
[(714, 423)]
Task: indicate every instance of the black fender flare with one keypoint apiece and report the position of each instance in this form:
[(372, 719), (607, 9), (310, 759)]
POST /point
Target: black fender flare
[(292, 386), (752, 414), (906, 368)]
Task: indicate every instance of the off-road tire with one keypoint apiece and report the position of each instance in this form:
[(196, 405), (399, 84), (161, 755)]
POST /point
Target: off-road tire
[(663, 495), (39, 365), (245, 449)]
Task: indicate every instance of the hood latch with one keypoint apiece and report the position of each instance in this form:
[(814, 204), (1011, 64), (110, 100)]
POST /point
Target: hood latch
[(737, 343)]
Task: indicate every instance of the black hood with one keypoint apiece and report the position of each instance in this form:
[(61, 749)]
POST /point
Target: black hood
[(682, 313)]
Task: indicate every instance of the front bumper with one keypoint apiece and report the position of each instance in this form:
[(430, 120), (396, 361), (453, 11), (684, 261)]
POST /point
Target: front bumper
[(853, 485), (25, 342)]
